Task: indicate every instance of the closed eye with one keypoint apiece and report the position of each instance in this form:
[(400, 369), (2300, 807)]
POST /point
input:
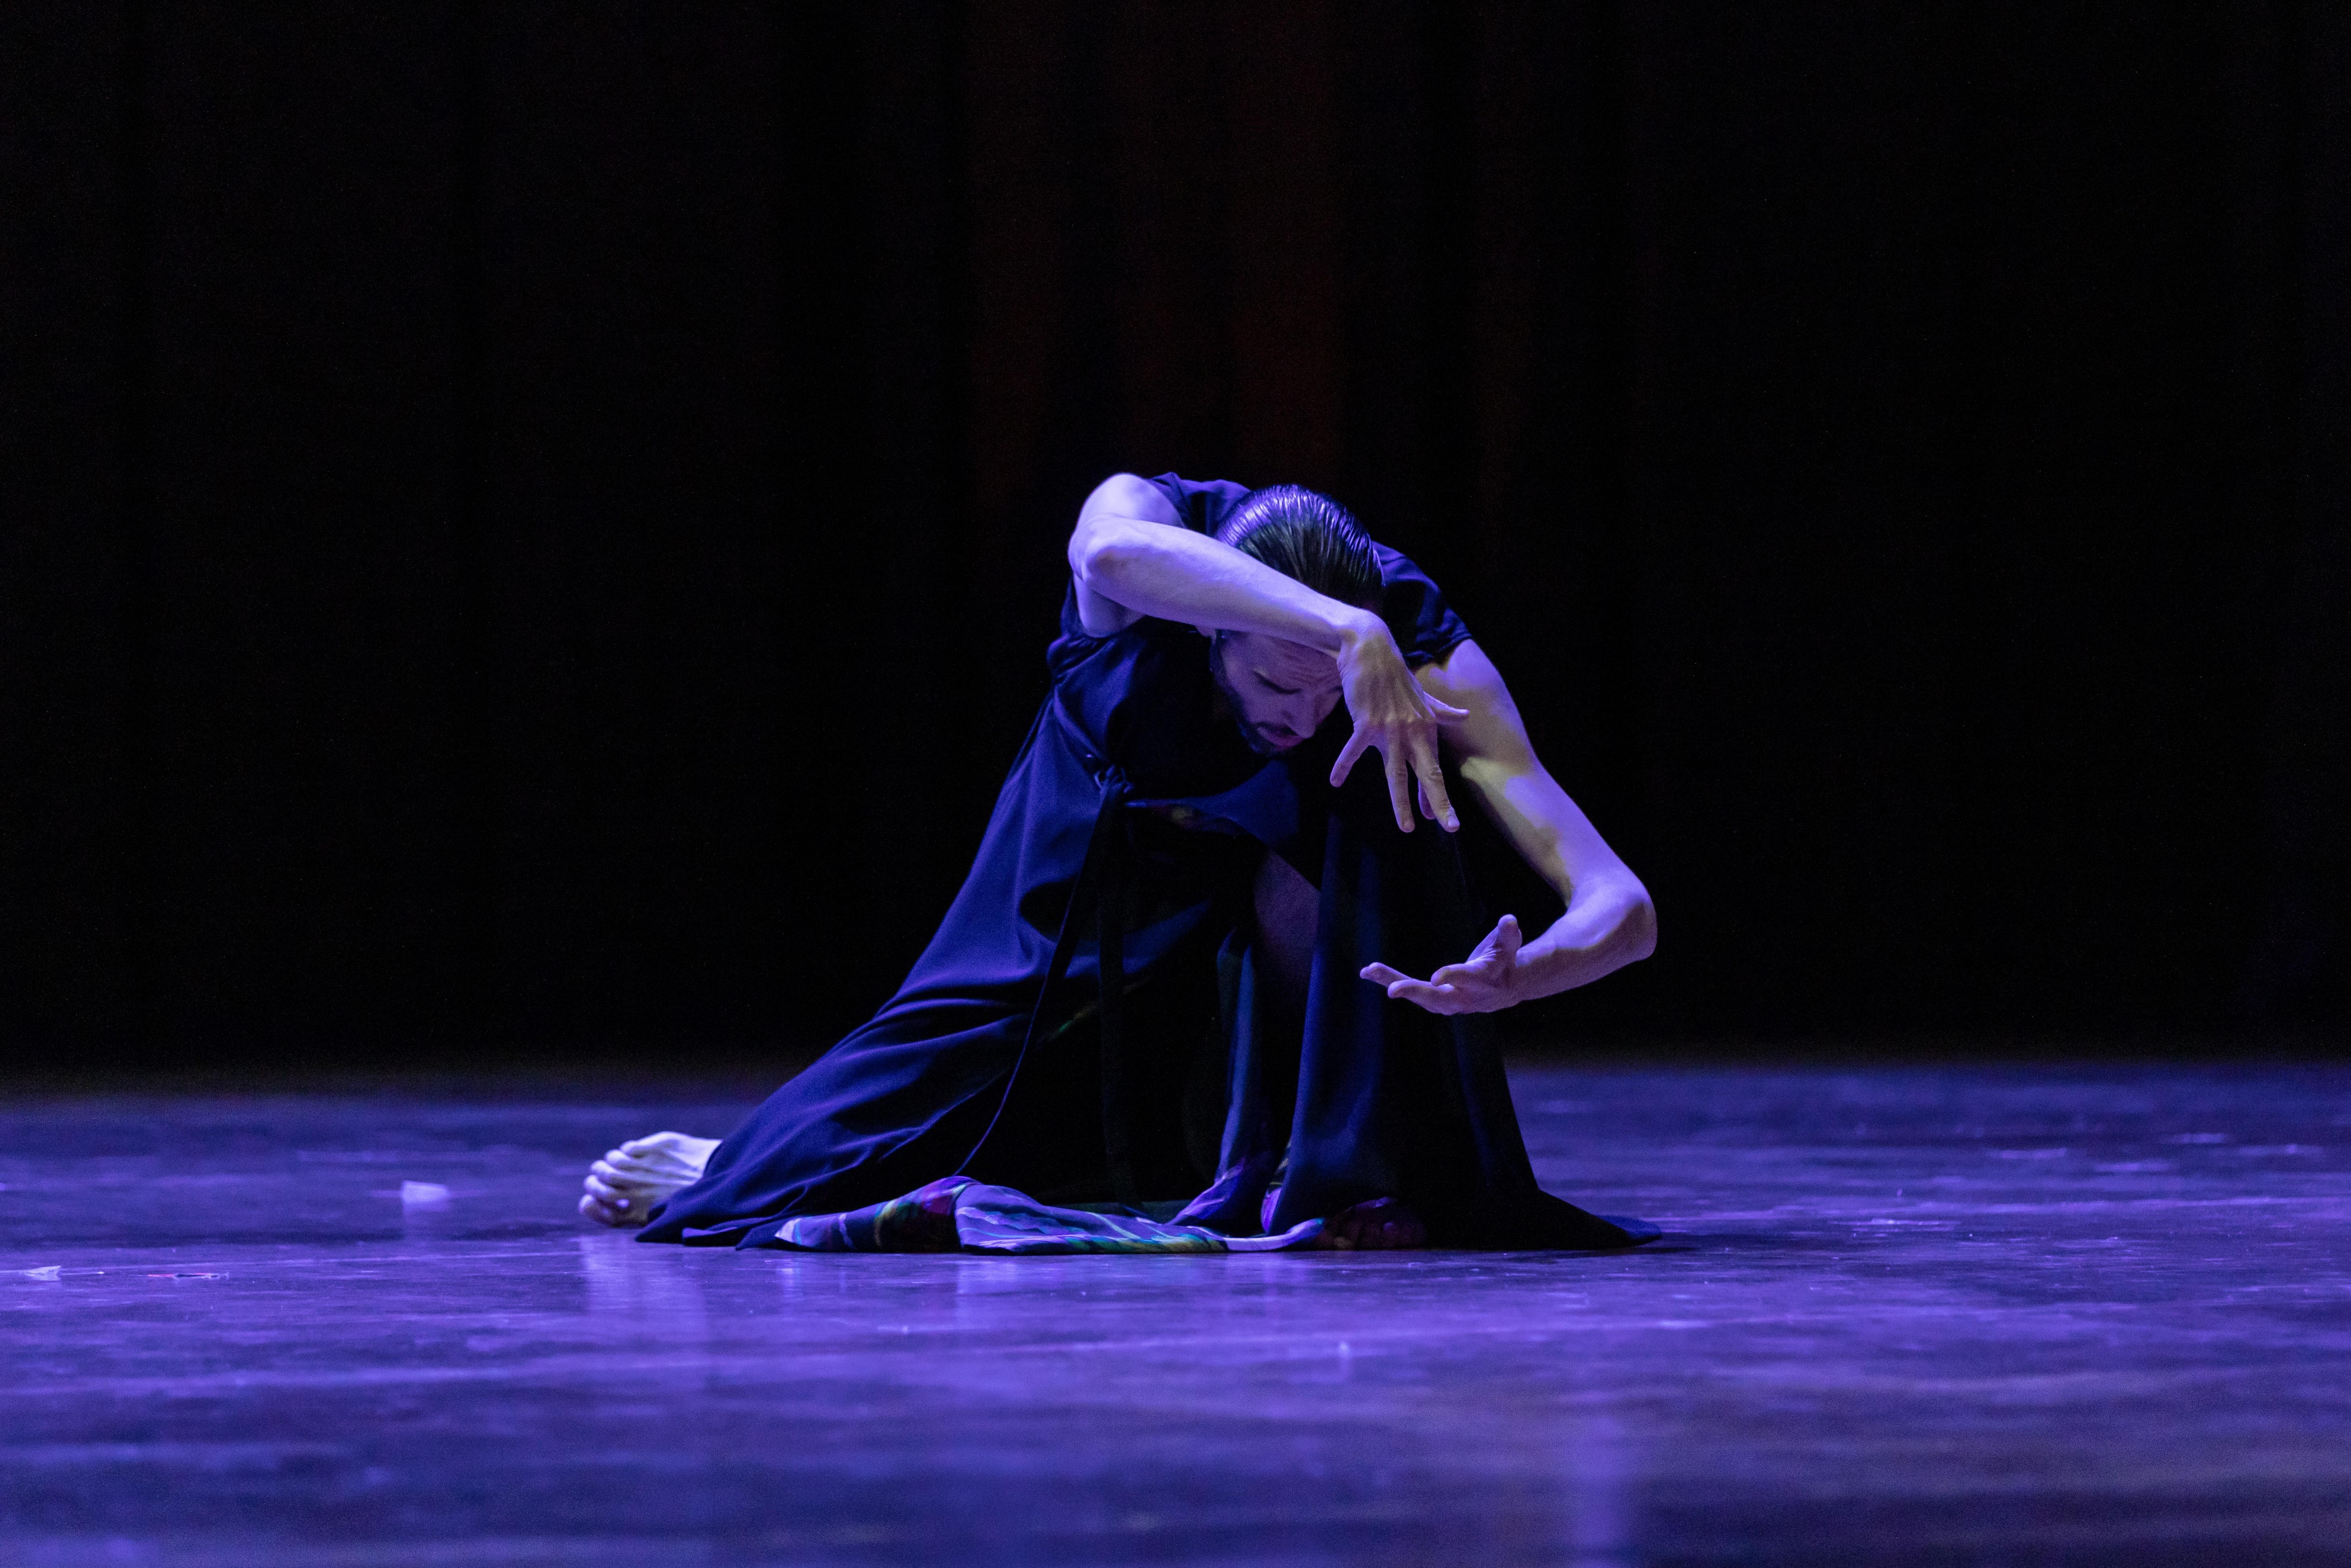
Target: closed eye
[(1268, 685)]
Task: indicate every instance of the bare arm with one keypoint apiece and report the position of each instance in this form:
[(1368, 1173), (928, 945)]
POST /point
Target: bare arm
[(1609, 921), (1130, 558)]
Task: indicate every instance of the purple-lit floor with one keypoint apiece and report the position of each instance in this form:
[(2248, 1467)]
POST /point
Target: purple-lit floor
[(1929, 1315)]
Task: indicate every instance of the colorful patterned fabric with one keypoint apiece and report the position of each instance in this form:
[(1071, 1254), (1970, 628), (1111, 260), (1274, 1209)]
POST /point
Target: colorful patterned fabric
[(957, 1214)]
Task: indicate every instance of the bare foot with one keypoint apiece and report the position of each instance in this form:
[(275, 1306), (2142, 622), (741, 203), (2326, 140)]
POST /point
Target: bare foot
[(1376, 1225), (624, 1185)]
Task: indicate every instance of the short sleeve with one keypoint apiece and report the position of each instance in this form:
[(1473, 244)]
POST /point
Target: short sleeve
[(1202, 504), (1425, 625)]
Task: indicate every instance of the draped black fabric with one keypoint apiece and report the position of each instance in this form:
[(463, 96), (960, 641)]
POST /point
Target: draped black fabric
[(1116, 868), (1374, 1098)]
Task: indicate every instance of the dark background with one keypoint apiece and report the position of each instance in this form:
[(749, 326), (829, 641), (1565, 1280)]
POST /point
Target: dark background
[(535, 526)]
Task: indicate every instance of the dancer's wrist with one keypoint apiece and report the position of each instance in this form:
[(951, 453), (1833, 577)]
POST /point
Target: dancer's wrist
[(1356, 633)]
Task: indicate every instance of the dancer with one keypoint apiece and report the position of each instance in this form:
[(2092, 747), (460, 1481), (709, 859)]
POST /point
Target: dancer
[(1178, 1003)]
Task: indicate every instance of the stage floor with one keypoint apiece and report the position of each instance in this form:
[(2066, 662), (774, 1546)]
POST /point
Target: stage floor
[(1919, 1316)]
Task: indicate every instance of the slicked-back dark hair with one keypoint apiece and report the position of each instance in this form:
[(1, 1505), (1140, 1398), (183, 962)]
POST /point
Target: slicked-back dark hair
[(1304, 534)]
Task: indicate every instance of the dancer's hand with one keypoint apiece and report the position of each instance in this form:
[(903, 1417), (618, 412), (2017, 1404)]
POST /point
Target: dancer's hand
[(1488, 983), (1392, 712)]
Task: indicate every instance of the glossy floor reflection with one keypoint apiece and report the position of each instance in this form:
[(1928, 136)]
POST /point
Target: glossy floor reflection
[(1922, 1316)]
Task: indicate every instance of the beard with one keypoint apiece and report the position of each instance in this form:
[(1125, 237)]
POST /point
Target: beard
[(1228, 702)]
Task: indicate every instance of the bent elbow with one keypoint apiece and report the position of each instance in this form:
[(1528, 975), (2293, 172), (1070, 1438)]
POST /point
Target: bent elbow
[(1107, 551), (1639, 927)]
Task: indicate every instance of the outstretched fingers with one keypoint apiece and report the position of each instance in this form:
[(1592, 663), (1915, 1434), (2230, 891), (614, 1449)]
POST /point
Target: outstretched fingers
[(1399, 788), (1426, 996), (1415, 770), (1357, 744), (1433, 802), (1509, 938), (1431, 777), (1403, 987), (1408, 756), (1494, 962)]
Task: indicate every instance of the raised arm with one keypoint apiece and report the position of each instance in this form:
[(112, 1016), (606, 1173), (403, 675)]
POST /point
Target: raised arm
[(1609, 921), (1130, 558)]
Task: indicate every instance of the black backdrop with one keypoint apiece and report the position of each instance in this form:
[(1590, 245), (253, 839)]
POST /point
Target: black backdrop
[(536, 524)]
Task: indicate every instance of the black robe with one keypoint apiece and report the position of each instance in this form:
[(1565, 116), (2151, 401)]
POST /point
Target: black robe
[(1086, 1025)]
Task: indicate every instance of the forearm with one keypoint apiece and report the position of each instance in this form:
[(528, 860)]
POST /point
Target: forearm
[(1606, 925), (1163, 569), (1609, 921)]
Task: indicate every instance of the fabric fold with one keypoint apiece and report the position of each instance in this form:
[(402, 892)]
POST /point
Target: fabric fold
[(958, 1214), (1086, 1033)]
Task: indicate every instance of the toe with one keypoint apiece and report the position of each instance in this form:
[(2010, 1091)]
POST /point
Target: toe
[(607, 1192), (618, 1217), (630, 1168)]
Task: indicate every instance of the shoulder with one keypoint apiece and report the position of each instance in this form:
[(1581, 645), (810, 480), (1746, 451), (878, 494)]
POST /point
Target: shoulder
[(1201, 504), (1426, 625), (1076, 653)]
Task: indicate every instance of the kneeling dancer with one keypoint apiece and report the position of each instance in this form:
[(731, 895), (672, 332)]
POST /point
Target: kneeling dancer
[(1173, 1006)]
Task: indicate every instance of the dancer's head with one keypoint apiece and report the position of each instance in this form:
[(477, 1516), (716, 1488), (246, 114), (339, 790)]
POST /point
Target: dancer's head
[(1280, 691)]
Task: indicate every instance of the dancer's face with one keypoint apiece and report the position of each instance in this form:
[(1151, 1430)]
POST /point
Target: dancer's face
[(1280, 692)]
